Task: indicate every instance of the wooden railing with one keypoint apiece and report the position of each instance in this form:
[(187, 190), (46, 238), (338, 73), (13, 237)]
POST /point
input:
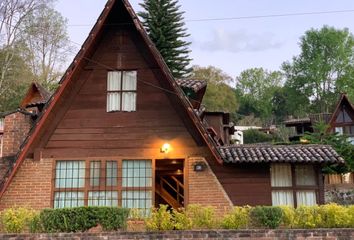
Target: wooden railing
[(173, 193)]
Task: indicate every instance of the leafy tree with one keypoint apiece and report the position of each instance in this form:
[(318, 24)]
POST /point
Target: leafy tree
[(339, 142), (255, 88), (255, 136), (47, 44), (219, 95), (323, 69), (164, 23), (16, 84), (12, 15)]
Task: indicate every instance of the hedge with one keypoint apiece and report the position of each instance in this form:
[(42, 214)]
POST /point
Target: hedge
[(77, 219), (193, 217)]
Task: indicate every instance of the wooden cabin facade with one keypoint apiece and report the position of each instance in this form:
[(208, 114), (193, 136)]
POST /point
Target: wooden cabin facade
[(120, 131)]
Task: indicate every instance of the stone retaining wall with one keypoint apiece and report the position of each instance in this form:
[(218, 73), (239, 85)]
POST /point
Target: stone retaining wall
[(263, 234)]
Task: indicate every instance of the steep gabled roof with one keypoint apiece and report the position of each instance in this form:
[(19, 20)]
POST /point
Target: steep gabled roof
[(36, 94), (343, 101), (182, 104)]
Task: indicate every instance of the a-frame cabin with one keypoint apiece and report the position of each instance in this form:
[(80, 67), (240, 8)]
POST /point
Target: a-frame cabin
[(118, 131)]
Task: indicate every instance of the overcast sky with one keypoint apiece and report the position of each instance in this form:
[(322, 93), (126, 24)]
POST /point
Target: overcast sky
[(233, 45)]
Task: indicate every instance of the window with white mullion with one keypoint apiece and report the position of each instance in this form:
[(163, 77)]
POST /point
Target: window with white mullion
[(121, 91)]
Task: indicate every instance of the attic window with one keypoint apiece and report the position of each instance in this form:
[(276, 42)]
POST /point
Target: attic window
[(121, 91)]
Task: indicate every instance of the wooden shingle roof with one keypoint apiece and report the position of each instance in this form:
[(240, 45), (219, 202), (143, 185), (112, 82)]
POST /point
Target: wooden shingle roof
[(280, 153)]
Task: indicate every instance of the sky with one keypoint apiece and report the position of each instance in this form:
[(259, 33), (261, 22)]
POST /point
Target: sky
[(231, 45)]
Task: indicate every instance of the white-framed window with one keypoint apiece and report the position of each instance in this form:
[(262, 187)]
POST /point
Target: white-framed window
[(293, 184), (127, 183), (121, 91)]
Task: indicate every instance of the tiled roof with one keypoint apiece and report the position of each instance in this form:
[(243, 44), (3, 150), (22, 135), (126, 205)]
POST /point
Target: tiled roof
[(193, 84), (280, 153), (44, 93), (298, 120)]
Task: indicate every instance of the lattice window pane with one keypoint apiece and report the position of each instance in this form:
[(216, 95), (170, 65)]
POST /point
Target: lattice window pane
[(141, 200), (281, 175), (129, 80), (305, 175), (282, 198), (68, 199), (70, 174), (113, 101), (111, 173), (103, 198), (95, 168), (307, 198), (137, 173), (129, 101), (114, 81)]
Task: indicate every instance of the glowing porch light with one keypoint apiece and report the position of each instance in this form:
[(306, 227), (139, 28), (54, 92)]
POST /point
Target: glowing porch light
[(166, 147)]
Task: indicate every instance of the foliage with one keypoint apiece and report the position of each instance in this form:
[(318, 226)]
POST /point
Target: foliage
[(202, 217), (219, 95), (256, 136), (16, 80), (17, 219), (181, 220), (288, 220), (161, 219), (339, 142), (266, 216), (83, 218), (322, 70), (255, 89), (307, 217), (46, 44), (334, 216), (163, 21), (237, 218)]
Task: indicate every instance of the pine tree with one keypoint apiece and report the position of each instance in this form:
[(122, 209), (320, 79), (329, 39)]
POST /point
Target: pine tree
[(163, 21)]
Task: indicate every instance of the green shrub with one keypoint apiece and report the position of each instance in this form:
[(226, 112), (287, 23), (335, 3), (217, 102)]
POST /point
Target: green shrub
[(265, 216), (351, 216), (161, 219), (202, 217), (237, 218), (334, 216), (181, 220), (288, 216), (83, 218), (307, 217), (17, 219)]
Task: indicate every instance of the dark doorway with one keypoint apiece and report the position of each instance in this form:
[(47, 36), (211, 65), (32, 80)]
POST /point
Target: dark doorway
[(169, 183)]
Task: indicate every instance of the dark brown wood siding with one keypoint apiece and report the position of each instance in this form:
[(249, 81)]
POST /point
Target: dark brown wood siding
[(89, 129), (246, 184)]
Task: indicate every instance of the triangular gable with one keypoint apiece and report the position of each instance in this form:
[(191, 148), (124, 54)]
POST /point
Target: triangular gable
[(344, 107), (182, 105), (35, 95)]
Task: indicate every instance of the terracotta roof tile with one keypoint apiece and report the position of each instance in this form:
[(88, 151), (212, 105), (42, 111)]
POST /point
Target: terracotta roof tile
[(280, 153), (193, 84)]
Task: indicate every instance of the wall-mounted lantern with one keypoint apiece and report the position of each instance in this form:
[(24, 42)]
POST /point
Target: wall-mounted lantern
[(165, 148), (199, 166)]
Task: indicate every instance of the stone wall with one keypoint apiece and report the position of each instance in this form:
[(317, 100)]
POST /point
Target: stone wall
[(264, 234)]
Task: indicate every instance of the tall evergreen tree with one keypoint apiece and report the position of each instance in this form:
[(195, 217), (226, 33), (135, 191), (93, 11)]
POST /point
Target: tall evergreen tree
[(163, 21)]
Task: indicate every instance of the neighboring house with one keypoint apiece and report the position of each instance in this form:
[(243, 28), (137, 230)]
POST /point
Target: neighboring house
[(341, 121), (121, 131), (15, 125), (237, 137)]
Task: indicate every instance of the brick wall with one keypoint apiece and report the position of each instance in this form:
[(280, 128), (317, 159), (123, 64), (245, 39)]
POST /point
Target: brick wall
[(264, 234), (31, 186), (205, 189), (16, 127)]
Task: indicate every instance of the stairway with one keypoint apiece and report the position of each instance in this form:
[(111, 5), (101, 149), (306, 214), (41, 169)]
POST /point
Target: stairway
[(170, 189)]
